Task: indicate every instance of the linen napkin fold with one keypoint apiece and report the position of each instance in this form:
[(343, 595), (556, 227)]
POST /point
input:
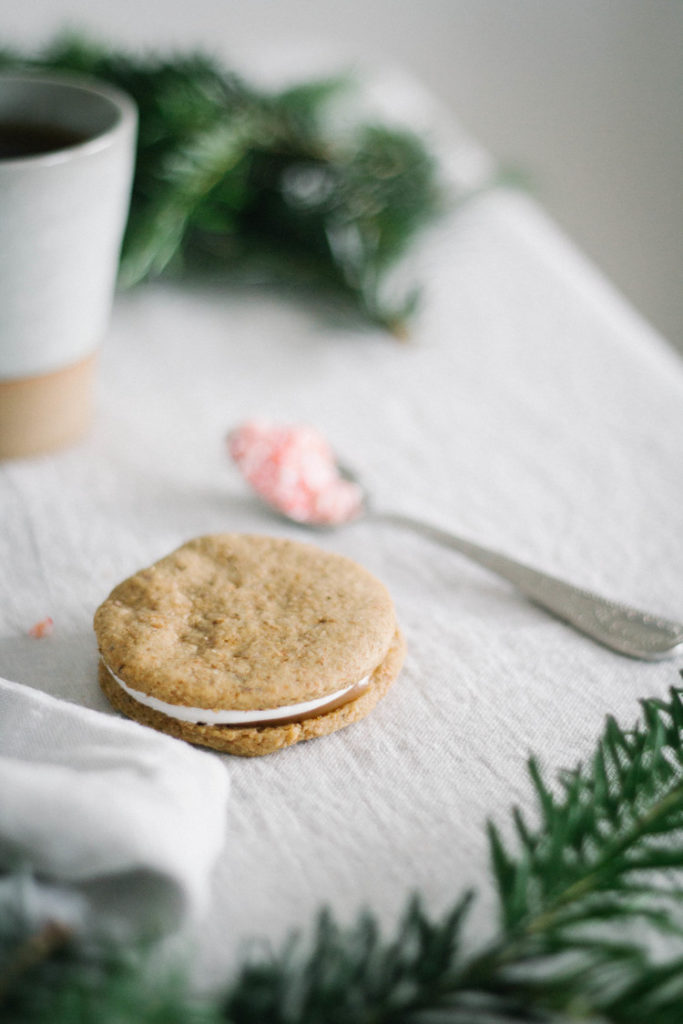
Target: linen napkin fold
[(105, 826)]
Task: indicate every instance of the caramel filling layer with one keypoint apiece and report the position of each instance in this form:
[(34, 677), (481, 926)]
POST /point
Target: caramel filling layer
[(260, 717)]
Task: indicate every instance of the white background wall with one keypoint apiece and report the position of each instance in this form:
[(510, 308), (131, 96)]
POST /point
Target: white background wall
[(586, 95)]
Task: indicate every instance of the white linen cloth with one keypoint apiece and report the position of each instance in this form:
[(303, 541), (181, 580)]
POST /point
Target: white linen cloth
[(110, 829), (532, 410)]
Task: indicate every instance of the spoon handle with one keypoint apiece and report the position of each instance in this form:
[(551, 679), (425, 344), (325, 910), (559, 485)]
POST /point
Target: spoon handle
[(623, 629)]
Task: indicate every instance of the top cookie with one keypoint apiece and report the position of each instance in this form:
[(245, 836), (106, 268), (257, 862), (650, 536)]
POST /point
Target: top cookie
[(245, 622)]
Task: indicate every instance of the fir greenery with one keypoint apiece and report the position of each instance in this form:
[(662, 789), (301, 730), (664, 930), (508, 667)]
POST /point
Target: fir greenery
[(232, 178), (590, 926)]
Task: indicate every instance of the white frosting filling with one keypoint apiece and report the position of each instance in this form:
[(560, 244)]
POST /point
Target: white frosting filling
[(208, 717)]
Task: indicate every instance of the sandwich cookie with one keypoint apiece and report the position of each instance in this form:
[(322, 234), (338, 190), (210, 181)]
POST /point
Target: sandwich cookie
[(248, 643)]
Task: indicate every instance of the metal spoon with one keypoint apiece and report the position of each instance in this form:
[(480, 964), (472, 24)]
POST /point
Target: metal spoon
[(627, 630), (623, 629)]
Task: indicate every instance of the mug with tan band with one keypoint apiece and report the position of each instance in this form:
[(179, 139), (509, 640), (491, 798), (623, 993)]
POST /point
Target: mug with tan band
[(67, 147)]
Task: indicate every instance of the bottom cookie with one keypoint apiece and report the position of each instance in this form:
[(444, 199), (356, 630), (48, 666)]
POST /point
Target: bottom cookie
[(253, 742)]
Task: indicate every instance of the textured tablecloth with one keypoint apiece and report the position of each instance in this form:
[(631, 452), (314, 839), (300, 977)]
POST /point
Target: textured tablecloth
[(531, 410)]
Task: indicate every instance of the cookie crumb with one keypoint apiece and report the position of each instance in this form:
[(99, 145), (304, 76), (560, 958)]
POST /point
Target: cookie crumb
[(43, 628)]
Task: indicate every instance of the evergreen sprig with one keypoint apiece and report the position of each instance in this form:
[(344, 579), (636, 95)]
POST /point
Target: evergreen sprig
[(232, 178), (590, 925)]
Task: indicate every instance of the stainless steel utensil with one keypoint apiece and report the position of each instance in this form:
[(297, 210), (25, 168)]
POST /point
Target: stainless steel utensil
[(623, 629)]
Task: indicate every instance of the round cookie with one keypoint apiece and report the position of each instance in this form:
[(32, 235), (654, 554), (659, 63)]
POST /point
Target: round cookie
[(248, 643)]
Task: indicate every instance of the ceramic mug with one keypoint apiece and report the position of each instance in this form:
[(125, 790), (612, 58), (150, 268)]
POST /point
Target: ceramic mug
[(67, 148)]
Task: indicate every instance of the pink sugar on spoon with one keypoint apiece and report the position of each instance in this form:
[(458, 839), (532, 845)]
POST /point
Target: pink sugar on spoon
[(294, 470)]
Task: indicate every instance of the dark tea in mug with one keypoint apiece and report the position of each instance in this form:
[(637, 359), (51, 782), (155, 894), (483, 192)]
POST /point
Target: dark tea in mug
[(19, 139)]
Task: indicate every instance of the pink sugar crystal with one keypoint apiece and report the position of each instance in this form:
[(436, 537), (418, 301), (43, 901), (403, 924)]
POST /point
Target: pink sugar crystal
[(43, 628), (293, 469)]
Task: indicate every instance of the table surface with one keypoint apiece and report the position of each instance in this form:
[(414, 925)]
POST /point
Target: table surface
[(531, 410)]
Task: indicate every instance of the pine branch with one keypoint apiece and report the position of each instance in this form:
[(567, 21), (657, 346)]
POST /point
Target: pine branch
[(231, 177), (47, 979), (352, 975), (574, 901), (600, 860)]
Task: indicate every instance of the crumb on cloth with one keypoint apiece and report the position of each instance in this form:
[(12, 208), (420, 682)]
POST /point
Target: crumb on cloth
[(44, 627)]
